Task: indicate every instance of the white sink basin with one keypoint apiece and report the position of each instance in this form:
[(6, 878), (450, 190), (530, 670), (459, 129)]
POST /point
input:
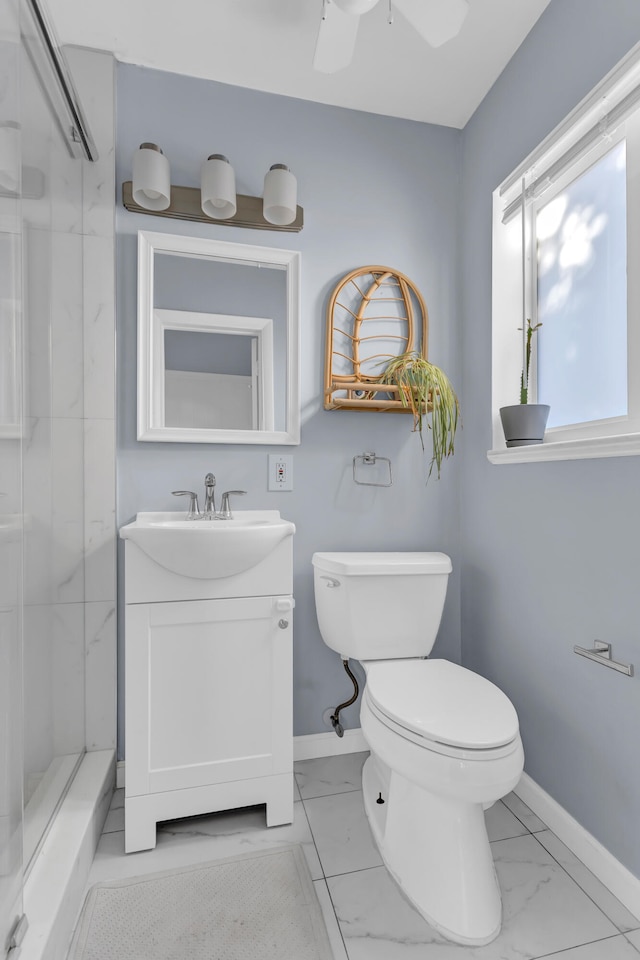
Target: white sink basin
[(208, 549)]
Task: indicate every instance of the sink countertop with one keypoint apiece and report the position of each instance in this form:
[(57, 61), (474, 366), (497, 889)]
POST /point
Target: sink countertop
[(207, 549), (147, 518)]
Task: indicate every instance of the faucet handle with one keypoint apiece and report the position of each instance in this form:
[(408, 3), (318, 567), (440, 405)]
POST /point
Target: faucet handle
[(225, 509), (194, 510)]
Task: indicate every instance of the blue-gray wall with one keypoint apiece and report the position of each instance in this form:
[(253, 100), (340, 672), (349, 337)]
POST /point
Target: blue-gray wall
[(551, 551), (375, 190)]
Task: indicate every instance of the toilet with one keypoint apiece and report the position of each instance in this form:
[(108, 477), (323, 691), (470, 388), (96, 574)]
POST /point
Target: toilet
[(444, 742)]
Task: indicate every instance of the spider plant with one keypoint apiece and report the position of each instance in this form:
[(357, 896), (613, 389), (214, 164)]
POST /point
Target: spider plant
[(426, 390)]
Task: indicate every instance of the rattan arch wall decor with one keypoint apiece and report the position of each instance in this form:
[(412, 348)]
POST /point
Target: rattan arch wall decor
[(374, 315)]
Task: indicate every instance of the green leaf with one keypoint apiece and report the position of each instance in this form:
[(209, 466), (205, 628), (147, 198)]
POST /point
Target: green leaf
[(427, 391)]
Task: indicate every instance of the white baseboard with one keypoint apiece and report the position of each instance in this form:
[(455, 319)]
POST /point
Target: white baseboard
[(614, 875), (120, 775), (328, 744)]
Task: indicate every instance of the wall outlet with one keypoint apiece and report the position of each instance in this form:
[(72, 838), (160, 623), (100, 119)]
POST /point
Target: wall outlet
[(280, 471)]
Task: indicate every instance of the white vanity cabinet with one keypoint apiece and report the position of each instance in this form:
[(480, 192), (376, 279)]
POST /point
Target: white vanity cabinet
[(208, 679)]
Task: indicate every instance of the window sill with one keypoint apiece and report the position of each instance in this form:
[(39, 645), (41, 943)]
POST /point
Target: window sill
[(624, 445)]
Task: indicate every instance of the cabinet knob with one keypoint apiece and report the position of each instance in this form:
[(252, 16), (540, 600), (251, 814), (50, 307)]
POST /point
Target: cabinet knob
[(283, 624)]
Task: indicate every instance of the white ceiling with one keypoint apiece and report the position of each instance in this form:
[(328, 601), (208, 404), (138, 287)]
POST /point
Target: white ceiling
[(269, 44)]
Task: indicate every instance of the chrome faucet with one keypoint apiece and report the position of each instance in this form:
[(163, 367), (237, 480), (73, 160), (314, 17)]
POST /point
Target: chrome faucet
[(209, 510), (194, 510), (225, 509)]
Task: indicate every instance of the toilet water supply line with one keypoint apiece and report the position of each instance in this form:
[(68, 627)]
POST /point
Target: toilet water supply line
[(335, 716)]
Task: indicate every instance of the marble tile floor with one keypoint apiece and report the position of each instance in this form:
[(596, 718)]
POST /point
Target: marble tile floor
[(553, 906)]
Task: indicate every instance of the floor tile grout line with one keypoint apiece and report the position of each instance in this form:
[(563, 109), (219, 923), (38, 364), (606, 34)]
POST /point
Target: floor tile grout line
[(528, 829), (350, 873), (520, 820), (333, 907), (577, 946), (338, 793), (315, 845), (579, 885), (586, 893)]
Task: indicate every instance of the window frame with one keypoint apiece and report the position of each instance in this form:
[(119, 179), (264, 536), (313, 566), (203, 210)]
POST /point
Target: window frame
[(514, 281)]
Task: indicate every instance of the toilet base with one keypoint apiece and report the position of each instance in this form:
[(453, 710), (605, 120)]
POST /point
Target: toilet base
[(438, 852)]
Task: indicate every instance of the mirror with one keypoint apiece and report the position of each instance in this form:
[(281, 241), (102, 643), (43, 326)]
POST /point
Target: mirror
[(217, 341)]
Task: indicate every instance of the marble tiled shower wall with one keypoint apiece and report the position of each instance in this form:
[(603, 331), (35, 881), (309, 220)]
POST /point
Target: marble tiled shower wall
[(94, 74), (69, 472)]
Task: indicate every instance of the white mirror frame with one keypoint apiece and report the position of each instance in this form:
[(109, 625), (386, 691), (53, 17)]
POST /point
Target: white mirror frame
[(151, 353)]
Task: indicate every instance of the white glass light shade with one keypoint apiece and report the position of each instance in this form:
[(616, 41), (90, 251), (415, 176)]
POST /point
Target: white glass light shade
[(10, 158), (151, 178), (280, 195), (218, 188)]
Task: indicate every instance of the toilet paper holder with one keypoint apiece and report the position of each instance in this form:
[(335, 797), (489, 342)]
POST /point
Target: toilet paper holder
[(601, 653)]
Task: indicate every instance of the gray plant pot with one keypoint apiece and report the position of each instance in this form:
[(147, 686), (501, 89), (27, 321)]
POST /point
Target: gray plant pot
[(524, 423)]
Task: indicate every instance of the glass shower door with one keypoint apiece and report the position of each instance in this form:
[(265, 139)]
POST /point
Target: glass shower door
[(53, 642), (11, 510)]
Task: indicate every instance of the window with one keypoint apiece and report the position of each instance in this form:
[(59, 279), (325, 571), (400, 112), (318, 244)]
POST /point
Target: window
[(581, 257), (566, 224)]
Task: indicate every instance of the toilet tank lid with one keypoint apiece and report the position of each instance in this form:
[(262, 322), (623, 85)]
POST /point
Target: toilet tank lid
[(377, 564)]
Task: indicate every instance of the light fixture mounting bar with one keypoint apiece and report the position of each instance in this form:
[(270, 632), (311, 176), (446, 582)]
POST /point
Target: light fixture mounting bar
[(185, 205)]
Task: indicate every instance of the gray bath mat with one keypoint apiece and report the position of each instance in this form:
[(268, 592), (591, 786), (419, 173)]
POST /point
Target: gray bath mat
[(253, 907)]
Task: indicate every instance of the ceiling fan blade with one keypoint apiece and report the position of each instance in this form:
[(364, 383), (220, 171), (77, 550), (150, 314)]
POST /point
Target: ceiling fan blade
[(357, 7), (336, 39), (437, 21)]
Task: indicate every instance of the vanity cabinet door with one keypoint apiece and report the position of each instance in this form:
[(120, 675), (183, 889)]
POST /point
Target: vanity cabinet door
[(208, 692)]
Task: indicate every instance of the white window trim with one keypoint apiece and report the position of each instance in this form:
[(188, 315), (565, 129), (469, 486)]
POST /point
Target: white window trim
[(623, 445), (607, 438)]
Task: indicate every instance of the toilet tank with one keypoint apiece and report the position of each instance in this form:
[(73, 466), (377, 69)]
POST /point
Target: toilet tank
[(380, 606)]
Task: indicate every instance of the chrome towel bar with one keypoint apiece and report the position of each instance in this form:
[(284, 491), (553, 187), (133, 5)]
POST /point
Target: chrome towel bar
[(370, 459), (601, 653)]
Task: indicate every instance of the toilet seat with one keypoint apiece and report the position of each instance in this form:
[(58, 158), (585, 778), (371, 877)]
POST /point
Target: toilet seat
[(443, 706)]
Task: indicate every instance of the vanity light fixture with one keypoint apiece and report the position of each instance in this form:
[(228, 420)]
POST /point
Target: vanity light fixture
[(151, 192), (218, 188), (280, 195), (151, 178)]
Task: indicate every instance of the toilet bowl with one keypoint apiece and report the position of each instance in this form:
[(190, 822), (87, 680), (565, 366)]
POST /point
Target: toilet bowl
[(444, 742)]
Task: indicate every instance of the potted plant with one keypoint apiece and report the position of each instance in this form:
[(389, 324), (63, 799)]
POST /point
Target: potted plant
[(524, 423), (426, 390)]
